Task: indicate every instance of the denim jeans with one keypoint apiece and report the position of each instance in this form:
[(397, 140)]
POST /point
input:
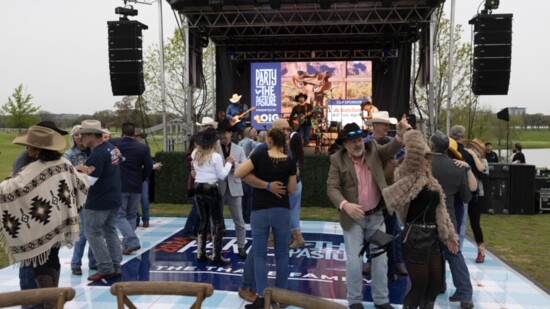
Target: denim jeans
[(460, 273), (78, 251), (126, 220), (353, 240), (461, 213), (305, 131), (247, 202), (26, 281), (248, 281), (295, 200), (145, 204), (100, 230), (278, 219), (191, 227)]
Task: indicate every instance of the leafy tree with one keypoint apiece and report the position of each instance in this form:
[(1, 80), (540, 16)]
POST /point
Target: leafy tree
[(176, 89), (21, 109)]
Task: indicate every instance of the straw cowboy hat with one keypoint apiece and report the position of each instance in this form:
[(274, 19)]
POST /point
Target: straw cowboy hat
[(206, 138), (382, 117), (235, 98), (453, 149), (91, 126), (207, 121), (41, 137), (477, 144)]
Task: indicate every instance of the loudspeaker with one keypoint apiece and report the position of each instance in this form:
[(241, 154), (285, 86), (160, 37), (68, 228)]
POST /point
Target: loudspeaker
[(492, 53), (126, 57), (522, 183), (504, 114)]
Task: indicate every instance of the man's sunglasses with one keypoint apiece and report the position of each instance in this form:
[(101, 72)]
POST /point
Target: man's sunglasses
[(354, 133)]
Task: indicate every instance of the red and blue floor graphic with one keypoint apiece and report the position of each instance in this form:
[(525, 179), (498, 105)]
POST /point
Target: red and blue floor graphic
[(318, 269)]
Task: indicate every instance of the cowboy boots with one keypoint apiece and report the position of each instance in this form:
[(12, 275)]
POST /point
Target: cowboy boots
[(201, 248), (297, 239), (217, 257), (480, 252)]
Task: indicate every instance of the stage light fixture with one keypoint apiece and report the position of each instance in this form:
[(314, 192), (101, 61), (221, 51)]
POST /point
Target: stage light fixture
[(275, 4), (387, 3), (492, 4), (126, 11), (216, 5), (325, 4)]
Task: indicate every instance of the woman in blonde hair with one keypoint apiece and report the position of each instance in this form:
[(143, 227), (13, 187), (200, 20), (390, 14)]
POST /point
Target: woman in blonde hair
[(419, 202), (209, 168)]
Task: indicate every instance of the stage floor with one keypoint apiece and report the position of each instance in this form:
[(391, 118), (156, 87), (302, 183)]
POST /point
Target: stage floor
[(319, 269)]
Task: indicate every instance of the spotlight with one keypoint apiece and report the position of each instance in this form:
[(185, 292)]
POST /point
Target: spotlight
[(204, 41), (325, 4), (275, 4), (126, 11), (216, 5), (491, 4)]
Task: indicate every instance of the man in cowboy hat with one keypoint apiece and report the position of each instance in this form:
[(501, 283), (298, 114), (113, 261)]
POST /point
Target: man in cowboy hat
[(367, 110), (26, 277), (103, 202), (300, 116), (134, 170), (233, 112), (354, 185)]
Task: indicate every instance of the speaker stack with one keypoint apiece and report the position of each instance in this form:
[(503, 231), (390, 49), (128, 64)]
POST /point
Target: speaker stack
[(510, 189), (492, 53), (126, 57)]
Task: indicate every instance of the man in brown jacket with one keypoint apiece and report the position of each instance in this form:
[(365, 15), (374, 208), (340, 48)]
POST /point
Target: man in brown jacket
[(354, 185)]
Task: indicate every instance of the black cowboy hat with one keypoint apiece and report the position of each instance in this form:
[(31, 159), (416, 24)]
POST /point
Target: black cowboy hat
[(51, 125), (297, 98), (351, 131), (206, 137)]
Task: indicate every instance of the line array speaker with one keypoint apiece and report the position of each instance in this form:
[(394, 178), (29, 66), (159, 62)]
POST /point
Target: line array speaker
[(126, 57), (492, 53)]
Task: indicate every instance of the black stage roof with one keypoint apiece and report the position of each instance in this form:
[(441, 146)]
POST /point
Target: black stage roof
[(300, 29)]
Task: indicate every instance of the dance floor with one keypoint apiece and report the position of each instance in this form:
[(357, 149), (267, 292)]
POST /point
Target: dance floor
[(318, 269)]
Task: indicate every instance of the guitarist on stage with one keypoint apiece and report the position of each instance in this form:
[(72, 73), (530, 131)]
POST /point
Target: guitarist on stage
[(234, 114), (300, 117)]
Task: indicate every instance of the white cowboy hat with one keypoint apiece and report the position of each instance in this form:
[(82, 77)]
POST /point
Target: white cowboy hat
[(235, 98), (207, 121), (41, 137), (90, 126), (382, 117)]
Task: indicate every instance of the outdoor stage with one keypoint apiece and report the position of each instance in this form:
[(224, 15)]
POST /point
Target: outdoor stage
[(319, 269)]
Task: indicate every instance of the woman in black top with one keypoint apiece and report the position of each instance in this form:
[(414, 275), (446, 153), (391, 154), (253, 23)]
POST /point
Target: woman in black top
[(270, 211), (419, 202)]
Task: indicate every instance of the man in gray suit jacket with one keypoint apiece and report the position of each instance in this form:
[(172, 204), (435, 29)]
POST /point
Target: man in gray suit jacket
[(231, 188), (354, 185)]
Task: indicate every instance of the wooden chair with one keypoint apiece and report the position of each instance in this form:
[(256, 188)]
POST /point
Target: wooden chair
[(124, 289), (273, 296), (57, 296)]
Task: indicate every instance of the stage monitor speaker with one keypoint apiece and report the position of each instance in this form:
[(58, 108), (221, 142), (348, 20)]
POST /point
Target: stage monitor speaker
[(492, 53), (126, 57), (504, 114), (522, 189)]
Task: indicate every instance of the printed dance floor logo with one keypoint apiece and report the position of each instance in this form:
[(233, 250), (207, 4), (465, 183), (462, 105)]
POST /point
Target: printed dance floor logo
[(318, 269)]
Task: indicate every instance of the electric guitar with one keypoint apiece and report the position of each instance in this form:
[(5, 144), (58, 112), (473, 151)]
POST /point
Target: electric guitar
[(236, 119)]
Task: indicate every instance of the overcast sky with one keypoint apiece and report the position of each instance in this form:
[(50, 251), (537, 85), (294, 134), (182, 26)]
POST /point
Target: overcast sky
[(58, 50)]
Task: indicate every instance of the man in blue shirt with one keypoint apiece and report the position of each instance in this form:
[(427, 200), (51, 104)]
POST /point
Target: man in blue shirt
[(103, 202), (135, 168)]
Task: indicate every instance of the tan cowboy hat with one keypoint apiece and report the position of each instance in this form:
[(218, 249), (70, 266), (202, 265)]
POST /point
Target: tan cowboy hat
[(453, 149), (382, 117), (91, 126), (235, 98), (41, 137), (207, 121), (477, 144)]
